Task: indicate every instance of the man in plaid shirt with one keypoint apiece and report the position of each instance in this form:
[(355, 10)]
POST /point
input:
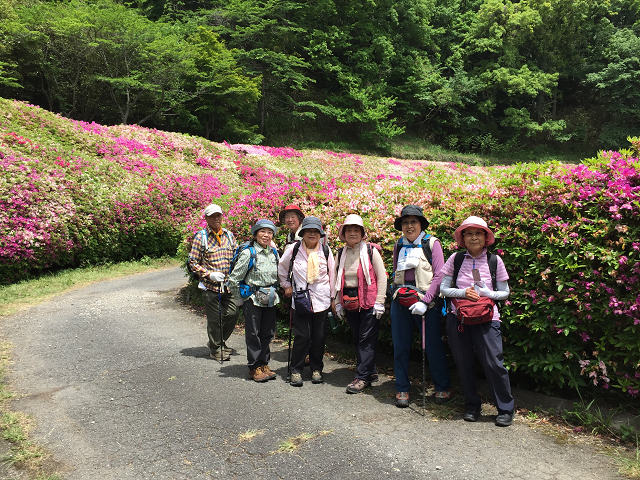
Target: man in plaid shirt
[(210, 258)]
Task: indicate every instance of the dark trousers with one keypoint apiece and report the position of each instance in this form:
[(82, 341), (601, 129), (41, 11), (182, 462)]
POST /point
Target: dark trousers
[(259, 329), (486, 341), (310, 332), (403, 324), (214, 304), (364, 332)]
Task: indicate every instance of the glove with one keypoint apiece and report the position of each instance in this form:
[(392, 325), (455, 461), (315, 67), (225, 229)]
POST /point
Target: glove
[(339, 311), (216, 276), (418, 308), (378, 309)]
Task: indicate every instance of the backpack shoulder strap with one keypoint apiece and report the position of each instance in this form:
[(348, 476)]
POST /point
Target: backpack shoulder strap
[(370, 252), (325, 250), (276, 254), (229, 235), (204, 239), (396, 252), (427, 247), (457, 263), (294, 252), (492, 260)]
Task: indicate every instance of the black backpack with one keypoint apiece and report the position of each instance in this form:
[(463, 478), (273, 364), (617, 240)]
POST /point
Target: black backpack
[(296, 247)]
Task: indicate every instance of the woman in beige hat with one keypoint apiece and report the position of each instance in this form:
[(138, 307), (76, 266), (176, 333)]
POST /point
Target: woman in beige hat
[(475, 279), (361, 285)]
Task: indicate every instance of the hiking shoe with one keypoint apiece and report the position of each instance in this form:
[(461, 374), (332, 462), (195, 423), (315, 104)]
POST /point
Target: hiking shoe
[(258, 375), (228, 350), (316, 377), (296, 380), (373, 378), (471, 415), (504, 419), (441, 397), (357, 386), (402, 399), (220, 355), (270, 373)]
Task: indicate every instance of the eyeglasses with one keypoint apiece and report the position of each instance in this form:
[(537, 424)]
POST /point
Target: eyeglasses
[(473, 234)]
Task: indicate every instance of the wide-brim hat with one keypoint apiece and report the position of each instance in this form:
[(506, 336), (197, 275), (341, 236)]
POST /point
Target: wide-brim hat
[(351, 219), (411, 211), (311, 223), (476, 222), (290, 208), (263, 223), (212, 209)]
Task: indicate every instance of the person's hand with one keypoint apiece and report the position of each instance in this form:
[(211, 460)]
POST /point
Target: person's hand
[(288, 291), (339, 311), (471, 294), (378, 309), (418, 308), (216, 276)]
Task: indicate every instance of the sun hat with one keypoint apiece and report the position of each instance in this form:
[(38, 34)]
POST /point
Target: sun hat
[(311, 223), (476, 222), (263, 223), (411, 211), (351, 219), (290, 208), (211, 209)]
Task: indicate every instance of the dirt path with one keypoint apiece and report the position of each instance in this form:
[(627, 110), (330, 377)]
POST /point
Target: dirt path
[(117, 378)]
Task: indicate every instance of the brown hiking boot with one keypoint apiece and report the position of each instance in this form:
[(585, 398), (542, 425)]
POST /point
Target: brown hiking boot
[(258, 375), (269, 372)]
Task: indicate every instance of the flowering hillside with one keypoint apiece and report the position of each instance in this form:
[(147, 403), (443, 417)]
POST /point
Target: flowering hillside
[(73, 193)]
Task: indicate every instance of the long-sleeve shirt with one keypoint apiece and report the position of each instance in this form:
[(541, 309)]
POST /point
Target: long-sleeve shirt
[(263, 274), (216, 258), (320, 290), (351, 264), (437, 262)]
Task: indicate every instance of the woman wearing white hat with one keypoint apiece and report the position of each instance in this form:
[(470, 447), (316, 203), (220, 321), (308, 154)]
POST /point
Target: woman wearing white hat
[(361, 285), (475, 279)]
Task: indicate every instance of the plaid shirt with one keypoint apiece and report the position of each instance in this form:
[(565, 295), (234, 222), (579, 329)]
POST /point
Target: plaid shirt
[(217, 258)]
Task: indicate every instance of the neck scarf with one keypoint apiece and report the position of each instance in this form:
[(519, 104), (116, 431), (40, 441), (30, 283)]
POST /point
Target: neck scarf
[(313, 264)]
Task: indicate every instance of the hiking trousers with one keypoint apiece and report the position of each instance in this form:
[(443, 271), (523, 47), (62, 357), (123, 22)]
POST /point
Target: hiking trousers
[(310, 333), (259, 329), (364, 332), (212, 305)]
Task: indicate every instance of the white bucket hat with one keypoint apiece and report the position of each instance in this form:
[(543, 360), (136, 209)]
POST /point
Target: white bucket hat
[(351, 219), (477, 222)]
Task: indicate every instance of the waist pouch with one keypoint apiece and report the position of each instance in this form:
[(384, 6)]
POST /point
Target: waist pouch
[(245, 290), (350, 299), (302, 301), (265, 296), (406, 296), (473, 312)]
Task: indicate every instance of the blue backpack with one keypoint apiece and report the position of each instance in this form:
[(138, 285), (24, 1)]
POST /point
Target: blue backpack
[(245, 289)]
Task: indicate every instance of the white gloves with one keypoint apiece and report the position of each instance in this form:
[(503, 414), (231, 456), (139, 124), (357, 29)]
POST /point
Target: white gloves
[(418, 308), (216, 276), (339, 311), (378, 309)]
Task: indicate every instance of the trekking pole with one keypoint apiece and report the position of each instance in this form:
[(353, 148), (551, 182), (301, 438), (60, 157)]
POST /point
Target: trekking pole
[(424, 387), (288, 379), (220, 318)]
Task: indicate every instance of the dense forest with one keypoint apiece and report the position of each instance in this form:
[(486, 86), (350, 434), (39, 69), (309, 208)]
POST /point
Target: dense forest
[(471, 75)]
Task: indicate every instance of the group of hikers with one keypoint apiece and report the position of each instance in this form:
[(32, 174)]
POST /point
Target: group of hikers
[(353, 286)]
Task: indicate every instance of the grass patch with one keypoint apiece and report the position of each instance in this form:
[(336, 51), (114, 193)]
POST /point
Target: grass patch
[(294, 443), (249, 435), (24, 294)]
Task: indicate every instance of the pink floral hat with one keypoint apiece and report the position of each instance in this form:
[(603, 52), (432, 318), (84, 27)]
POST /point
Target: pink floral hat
[(476, 222)]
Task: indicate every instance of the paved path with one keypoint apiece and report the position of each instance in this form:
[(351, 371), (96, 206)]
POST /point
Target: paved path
[(117, 380)]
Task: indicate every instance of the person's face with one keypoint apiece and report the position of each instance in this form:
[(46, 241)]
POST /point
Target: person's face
[(411, 227), (311, 237), (352, 235), (264, 237), (474, 239), (214, 221), (292, 221)]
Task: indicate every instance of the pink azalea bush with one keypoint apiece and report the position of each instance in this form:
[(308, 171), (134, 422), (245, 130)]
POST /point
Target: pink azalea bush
[(74, 193)]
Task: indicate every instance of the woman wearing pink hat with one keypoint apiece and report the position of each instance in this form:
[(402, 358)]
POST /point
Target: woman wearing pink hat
[(475, 279), (360, 289)]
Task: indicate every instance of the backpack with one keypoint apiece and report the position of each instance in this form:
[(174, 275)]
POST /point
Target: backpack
[(252, 259), (426, 248), (296, 247), (492, 260)]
